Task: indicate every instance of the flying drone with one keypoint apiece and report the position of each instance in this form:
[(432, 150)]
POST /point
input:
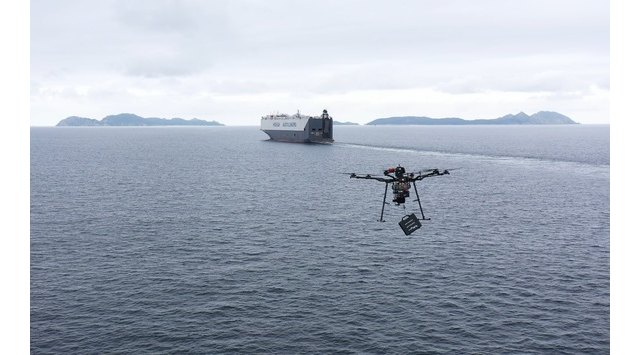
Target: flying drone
[(400, 182)]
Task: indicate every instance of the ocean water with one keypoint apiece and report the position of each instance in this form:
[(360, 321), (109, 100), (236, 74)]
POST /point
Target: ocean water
[(214, 240)]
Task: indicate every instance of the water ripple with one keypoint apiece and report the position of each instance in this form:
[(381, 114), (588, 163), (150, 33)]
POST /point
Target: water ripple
[(184, 241)]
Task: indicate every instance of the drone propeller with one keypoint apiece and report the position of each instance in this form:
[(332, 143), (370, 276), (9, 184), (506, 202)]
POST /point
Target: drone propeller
[(351, 175), (446, 171)]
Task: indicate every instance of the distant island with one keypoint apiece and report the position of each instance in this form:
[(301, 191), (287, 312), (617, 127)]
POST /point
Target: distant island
[(129, 119), (540, 118), (345, 123)]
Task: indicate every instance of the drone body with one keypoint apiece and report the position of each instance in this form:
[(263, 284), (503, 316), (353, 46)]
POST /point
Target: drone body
[(401, 182)]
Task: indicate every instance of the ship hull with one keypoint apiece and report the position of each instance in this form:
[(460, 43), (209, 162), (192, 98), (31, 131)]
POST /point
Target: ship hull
[(298, 128), (295, 137)]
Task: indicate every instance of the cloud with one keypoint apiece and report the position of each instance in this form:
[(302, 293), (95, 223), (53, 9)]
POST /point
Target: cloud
[(225, 53)]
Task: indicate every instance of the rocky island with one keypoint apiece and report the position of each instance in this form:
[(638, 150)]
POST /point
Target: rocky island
[(129, 119), (540, 118)]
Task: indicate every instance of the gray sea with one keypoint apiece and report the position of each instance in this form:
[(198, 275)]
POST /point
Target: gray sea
[(215, 240)]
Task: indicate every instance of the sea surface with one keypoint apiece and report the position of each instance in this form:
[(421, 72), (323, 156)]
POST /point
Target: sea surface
[(215, 240)]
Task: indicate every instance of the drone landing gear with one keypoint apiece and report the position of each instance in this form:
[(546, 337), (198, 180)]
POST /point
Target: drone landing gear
[(419, 204), (384, 201)]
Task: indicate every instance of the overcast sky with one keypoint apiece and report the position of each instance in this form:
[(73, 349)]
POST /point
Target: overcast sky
[(234, 61)]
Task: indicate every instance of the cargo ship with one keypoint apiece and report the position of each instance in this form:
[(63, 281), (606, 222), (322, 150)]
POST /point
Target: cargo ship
[(298, 128)]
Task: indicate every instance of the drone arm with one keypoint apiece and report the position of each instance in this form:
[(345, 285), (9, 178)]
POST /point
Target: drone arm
[(369, 177), (434, 172)]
